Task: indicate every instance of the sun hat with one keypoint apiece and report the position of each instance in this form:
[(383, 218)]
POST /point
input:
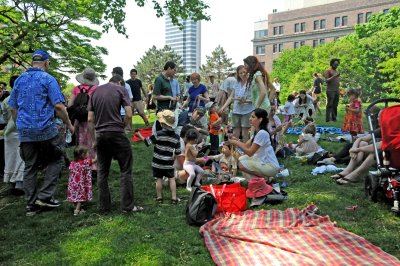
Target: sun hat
[(166, 117), (257, 201), (39, 55), (258, 188), (88, 77)]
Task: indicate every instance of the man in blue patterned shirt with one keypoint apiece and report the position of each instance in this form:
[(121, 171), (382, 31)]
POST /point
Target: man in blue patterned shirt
[(34, 99)]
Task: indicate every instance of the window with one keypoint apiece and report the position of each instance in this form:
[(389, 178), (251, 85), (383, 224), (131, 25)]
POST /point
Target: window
[(314, 43), (360, 18), (280, 47), (322, 24), (345, 20), (260, 49), (368, 16), (302, 43), (296, 45), (385, 11), (260, 33), (274, 48), (316, 24), (321, 41), (280, 30), (296, 27), (337, 22), (275, 31), (303, 27)]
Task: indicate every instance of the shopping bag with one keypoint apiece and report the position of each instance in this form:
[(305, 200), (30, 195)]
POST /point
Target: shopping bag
[(231, 198)]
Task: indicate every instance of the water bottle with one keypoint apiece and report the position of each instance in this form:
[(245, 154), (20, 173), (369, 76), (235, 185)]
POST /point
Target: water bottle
[(68, 137)]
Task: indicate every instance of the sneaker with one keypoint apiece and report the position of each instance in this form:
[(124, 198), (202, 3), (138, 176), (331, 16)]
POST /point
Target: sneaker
[(52, 203), (32, 210)]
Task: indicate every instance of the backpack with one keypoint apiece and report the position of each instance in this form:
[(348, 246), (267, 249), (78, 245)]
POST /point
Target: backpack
[(201, 207), (78, 110)]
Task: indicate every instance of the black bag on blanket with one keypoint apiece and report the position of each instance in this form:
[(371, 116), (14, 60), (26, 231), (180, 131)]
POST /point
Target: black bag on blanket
[(318, 156), (201, 207)]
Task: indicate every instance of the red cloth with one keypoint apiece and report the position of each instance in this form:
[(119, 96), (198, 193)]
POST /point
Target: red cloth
[(80, 181), (146, 132), (353, 121), (390, 128), (290, 237)]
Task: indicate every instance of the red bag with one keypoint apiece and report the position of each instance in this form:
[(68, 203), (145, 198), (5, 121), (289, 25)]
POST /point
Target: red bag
[(230, 198)]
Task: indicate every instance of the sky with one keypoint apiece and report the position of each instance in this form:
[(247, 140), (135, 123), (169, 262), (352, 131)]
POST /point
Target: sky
[(231, 26)]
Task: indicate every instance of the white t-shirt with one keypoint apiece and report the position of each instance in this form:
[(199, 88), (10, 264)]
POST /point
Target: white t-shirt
[(289, 108), (265, 154), (128, 89), (277, 86), (229, 84)]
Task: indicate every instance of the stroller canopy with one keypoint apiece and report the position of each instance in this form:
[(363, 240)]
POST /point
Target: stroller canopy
[(390, 128)]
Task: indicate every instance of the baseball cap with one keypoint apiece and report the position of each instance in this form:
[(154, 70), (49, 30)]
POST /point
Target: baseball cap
[(39, 55)]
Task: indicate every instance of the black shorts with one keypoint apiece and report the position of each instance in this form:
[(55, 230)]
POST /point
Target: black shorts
[(160, 173)]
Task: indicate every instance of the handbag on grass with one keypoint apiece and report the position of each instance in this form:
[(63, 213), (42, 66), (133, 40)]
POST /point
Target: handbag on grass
[(231, 198)]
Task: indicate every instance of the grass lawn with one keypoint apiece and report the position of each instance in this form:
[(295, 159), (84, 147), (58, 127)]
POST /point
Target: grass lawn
[(160, 235)]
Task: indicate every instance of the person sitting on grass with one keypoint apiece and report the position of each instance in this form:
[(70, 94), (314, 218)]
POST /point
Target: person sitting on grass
[(307, 144), (259, 159), (166, 145), (225, 161), (195, 171), (80, 179)]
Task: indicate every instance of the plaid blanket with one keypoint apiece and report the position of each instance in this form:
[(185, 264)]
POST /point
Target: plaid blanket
[(290, 237)]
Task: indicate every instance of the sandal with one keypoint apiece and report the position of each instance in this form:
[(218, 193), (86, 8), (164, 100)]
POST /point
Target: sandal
[(347, 181), (175, 201), (338, 176), (159, 200)]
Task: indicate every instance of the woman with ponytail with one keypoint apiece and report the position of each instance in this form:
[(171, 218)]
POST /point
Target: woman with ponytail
[(262, 91), (259, 159)]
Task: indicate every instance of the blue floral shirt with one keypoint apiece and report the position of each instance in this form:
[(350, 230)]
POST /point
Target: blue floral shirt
[(34, 95)]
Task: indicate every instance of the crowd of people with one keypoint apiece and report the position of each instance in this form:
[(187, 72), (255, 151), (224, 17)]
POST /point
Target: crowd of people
[(241, 132)]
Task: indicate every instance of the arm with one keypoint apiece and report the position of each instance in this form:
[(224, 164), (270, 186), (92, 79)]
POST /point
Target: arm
[(71, 101), (128, 117), (61, 112), (14, 114), (248, 147), (227, 103), (218, 122), (263, 91), (92, 131), (204, 98)]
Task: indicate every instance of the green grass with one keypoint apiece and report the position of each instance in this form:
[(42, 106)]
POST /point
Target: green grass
[(160, 235)]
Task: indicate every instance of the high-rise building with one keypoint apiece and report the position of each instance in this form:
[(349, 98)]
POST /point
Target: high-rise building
[(312, 22), (185, 42)]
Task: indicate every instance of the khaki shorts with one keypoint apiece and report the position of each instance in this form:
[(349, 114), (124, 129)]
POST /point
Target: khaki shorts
[(138, 105), (241, 121)]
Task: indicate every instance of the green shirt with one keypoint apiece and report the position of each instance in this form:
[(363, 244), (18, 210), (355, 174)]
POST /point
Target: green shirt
[(162, 86), (255, 93)]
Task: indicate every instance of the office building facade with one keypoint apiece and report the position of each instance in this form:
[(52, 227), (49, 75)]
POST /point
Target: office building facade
[(185, 42), (311, 25)]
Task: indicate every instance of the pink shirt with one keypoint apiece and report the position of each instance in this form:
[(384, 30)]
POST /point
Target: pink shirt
[(76, 90)]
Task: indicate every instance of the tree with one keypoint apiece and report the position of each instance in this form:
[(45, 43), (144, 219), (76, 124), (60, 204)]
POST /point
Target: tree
[(218, 64), (391, 69), (152, 63), (66, 28), (379, 21)]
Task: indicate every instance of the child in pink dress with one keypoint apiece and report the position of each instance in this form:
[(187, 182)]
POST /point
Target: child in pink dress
[(80, 179), (353, 118)]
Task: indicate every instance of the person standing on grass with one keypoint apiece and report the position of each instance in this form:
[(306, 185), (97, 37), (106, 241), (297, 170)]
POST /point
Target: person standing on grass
[(191, 150), (166, 146), (120, 72), (111, 141), (332, 79), (137, 102), (80, 179), (34, 98)]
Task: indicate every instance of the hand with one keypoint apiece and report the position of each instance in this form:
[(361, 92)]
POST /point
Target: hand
[(71, 129), (278, 128)]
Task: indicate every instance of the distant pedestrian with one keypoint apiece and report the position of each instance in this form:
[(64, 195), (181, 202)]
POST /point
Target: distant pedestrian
[(120, 72), (213, 88), (137, 89), (332, 78), (277, 87)]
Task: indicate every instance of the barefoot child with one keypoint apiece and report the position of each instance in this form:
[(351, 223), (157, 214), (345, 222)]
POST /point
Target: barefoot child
[(80, 179), (190, 165), (225, 161), (353, 118), (166, 145)]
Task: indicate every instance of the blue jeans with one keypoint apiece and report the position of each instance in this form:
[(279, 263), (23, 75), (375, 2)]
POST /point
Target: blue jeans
[(114, 145), (41, 154)]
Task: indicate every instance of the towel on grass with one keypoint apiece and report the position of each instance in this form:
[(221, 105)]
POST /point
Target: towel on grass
[(289, 237)]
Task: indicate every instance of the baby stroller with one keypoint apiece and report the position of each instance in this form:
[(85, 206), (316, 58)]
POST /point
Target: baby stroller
[(387, 176)]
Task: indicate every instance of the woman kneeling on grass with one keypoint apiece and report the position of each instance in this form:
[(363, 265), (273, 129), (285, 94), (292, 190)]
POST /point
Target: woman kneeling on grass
[(259, 159)]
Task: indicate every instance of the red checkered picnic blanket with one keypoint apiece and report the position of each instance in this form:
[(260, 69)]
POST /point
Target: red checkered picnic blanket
[(290, 237)]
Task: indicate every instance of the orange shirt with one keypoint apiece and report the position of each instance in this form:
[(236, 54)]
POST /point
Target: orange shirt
[(215, 130)]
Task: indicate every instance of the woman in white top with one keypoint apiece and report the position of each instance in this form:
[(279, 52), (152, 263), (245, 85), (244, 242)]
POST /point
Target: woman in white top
[(259, 159), (304, 105)]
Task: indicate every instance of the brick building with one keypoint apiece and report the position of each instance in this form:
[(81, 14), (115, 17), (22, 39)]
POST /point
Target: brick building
[(312, 25)]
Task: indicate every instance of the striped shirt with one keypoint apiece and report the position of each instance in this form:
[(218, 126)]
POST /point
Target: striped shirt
[(166, 146)]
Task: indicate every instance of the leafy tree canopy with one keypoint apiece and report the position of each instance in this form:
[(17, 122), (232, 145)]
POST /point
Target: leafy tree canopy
[(152, 64), (66, 29), (218, 64)]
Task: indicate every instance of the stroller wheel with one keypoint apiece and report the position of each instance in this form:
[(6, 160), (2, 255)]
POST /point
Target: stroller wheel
[(371, 187)]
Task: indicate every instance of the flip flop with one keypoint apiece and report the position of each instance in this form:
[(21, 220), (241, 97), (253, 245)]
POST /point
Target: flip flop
[(344, 179), (338, 176)]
